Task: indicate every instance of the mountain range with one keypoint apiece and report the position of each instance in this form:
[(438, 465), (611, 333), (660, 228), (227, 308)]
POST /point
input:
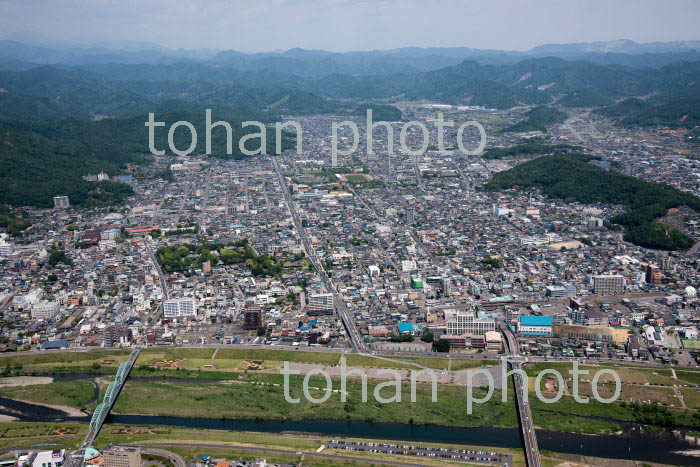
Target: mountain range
[(54, 100), (44, 50)]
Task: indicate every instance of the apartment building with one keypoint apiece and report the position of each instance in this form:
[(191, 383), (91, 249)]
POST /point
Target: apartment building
[(611, 284), (180, 307)]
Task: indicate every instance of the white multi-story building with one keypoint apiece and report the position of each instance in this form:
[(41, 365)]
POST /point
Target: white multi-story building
[(6, 248), (321, 302), (180, 307), (466, 322), (45, 310), (560, 291)]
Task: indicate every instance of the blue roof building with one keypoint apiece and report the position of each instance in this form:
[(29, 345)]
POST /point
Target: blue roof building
[(535, 326), (406, 328)]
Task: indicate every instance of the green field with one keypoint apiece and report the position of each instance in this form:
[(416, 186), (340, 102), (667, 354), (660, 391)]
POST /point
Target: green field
[(629, 374), (90, 361), (70, 393), (261, 396), (237, 393), (206, 359)]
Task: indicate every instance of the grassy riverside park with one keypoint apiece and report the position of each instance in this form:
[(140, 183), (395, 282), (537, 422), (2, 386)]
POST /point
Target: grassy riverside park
[(235, 392), (261, 396), (69, 393)]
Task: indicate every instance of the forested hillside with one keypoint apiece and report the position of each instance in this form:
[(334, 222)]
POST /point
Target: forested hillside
[(40, 160), (572, 178), (538, 119)]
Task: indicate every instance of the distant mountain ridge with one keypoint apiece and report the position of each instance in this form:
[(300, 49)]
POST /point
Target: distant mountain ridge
[(620, 46), (128, 89), (322, 63)]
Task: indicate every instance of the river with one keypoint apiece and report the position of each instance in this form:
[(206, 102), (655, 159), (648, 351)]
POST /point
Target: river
[(633, 443)]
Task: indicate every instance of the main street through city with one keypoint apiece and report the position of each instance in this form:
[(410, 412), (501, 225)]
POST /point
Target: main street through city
[(154, 317), (340, 307)]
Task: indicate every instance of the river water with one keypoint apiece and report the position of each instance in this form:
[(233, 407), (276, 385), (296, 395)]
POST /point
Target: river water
[(668, 447)]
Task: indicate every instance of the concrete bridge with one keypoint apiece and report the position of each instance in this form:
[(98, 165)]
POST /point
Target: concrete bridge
[(532, 451)]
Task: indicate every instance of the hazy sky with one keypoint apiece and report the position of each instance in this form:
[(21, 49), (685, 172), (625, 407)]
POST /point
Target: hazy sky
[(261, 25)]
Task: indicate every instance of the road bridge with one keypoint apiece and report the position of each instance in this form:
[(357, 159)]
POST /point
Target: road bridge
[(532, 452)]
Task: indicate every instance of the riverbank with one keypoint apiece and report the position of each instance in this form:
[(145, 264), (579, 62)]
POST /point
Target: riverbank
[(15, 381), (665, 448), (68, 396), (70, 411)]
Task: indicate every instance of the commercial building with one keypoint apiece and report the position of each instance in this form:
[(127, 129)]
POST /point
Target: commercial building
[(180, 307), (610, 284), (45, 310), (410, 215), (652, 274), (535, 326), (122, 456), (560, 291), (115, 336), (53, 458), (595, 223), (6, 248), (466, 322)]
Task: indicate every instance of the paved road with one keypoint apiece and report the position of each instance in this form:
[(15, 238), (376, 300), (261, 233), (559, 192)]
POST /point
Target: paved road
[(340, 307), (163, 284), (174, 458), (411, 230), (284, 451), (532, 452), (455, 356)]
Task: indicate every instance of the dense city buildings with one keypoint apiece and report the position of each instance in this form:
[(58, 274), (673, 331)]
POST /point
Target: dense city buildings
[(154, 293)]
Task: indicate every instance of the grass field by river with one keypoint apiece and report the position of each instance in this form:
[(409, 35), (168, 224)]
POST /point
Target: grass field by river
[(254, 394), (225, 358), (69, 393), (261, 396)]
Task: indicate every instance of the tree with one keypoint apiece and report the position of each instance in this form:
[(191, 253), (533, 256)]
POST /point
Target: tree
[(262, 331), (400, 337), (441, 345), (427, 337), (491, 263)]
